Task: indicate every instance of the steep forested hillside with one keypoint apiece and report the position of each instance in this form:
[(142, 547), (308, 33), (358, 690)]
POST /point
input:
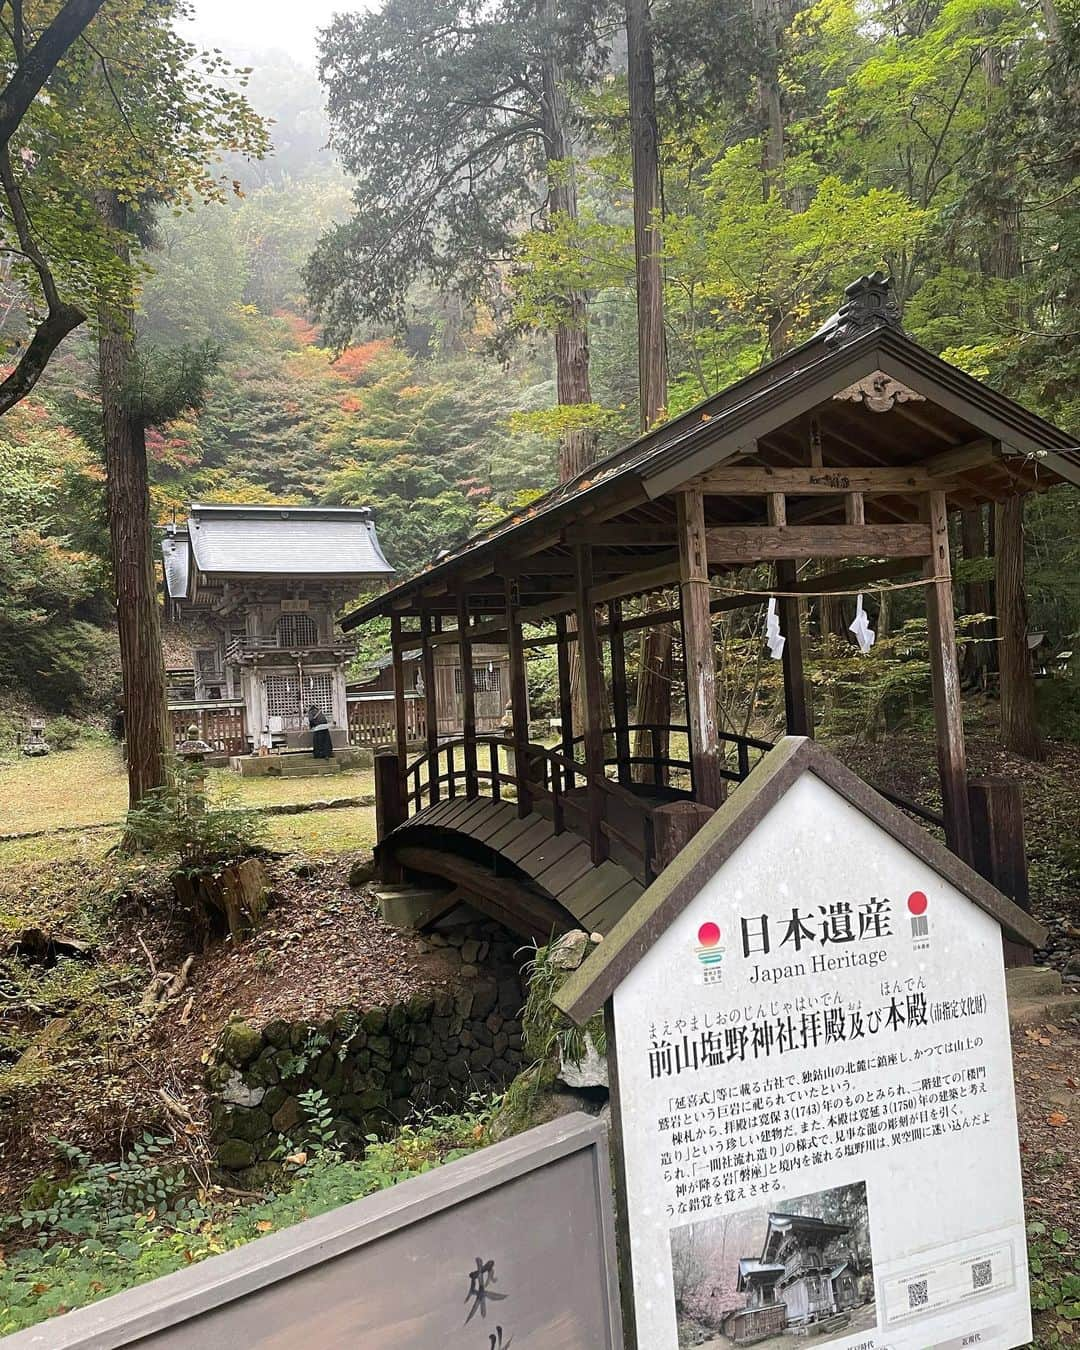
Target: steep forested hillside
[(799, 146)]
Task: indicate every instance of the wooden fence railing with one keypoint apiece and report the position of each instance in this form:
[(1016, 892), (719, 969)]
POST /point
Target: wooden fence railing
[(220, 724), (372, 721), (610, 816)]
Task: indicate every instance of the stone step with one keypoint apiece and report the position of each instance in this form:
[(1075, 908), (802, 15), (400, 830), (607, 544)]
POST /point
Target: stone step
[(407, 906)]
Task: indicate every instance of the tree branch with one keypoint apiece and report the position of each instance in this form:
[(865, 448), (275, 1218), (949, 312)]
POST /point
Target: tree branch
[(60, 319), (40, 62)]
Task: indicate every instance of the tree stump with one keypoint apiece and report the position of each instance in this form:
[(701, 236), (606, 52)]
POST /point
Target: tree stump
[(231, 899)]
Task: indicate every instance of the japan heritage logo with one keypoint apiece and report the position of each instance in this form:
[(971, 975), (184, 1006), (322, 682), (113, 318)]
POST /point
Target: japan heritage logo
[(709, 952), (920, 924)]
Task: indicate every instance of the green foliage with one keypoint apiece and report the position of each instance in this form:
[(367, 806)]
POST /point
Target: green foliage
[(103, 1200), (63, 733), (319, 1121), (199, 828), (52, 580), (547, 1032), (448, 152), (151, 1239), (1054, 1263), (1057, 705)]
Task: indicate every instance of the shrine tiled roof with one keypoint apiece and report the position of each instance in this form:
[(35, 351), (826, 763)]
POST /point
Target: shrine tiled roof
[(288, 541)]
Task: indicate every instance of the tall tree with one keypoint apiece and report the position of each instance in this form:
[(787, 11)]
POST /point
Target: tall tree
[(150, 116), (654, 672), (32, 61), (449, 115), (128, 501), (1019, 728)]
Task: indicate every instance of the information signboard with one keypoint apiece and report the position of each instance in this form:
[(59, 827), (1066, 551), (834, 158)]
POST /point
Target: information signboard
[(813, 1081)]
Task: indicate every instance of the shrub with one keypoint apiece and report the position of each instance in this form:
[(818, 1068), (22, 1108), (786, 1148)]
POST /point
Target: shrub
[(63, 733), (1057, 702), (201, 829)]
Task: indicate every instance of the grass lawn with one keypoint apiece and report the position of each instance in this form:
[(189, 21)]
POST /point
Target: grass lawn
[(88, 786)]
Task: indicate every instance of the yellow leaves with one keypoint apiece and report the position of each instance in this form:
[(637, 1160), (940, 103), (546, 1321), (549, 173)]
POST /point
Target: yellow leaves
[(1057, 1119), (264, 1226)]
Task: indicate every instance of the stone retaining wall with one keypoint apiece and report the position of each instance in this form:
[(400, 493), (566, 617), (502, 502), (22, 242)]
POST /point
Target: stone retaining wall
[(374, 1065)]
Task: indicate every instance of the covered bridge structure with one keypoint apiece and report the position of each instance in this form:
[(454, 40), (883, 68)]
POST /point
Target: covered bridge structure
[(852, 449)]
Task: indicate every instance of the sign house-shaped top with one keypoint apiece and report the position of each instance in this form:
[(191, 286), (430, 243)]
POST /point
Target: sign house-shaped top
[(812, 1080)]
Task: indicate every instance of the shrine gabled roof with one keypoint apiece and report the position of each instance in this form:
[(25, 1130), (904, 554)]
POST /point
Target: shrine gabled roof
[(750, 1266), (728, 423), (285, 541), (590, 986)]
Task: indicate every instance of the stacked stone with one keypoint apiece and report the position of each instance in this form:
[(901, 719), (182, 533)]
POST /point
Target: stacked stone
[(374, 1067)]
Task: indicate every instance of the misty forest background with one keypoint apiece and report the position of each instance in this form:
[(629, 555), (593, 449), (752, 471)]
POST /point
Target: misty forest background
[(369, 314)]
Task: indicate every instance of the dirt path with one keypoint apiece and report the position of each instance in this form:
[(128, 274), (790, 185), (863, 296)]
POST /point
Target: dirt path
[(1047, 1067)]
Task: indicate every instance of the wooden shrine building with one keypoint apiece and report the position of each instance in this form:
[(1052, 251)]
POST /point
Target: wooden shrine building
[(851, 450), (257, 589)]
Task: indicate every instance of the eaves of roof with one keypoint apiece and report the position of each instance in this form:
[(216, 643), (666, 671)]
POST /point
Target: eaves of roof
[(720, 426)]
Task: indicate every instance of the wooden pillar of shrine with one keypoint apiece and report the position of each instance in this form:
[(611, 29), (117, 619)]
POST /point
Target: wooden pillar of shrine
[(620, 708), (592, 680), (401, 740), (796, 716), (699, 651), (563, 638), (431, 706), (468, 695), (945, 681), (519, 699)]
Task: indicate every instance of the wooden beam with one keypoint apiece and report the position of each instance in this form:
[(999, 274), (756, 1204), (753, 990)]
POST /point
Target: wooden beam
[(699, 652), (519, 700), (758, 481), (619, 698), (765, 543), (468, 697), (945, 683), (431, 703), (962, 458), (635, 583), (621, 536), (592, 677)]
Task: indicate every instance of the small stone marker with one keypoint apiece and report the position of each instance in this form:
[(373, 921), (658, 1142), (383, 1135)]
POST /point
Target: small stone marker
[(812, 1082)]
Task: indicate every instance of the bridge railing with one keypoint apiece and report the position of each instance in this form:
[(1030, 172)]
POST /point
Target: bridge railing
[(609, 814)]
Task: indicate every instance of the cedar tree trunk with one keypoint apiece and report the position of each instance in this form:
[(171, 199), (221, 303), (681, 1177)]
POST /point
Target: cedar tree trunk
[(134, 575)]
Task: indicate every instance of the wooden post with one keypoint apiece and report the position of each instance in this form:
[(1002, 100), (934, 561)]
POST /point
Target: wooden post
[(589, 654), (566, 689), (796, 713), (389, 807), (796, 717), (431, 706), (945, 682), (997, 835), (468, 696), (401, 735), (519, 699), (619, 703), (698, 650)]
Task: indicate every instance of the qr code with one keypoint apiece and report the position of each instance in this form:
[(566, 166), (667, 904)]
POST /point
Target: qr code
[(917, 1297), (982, 1275)]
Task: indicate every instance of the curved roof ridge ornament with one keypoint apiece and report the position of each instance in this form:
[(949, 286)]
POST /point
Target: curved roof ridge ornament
[(868, 303)]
